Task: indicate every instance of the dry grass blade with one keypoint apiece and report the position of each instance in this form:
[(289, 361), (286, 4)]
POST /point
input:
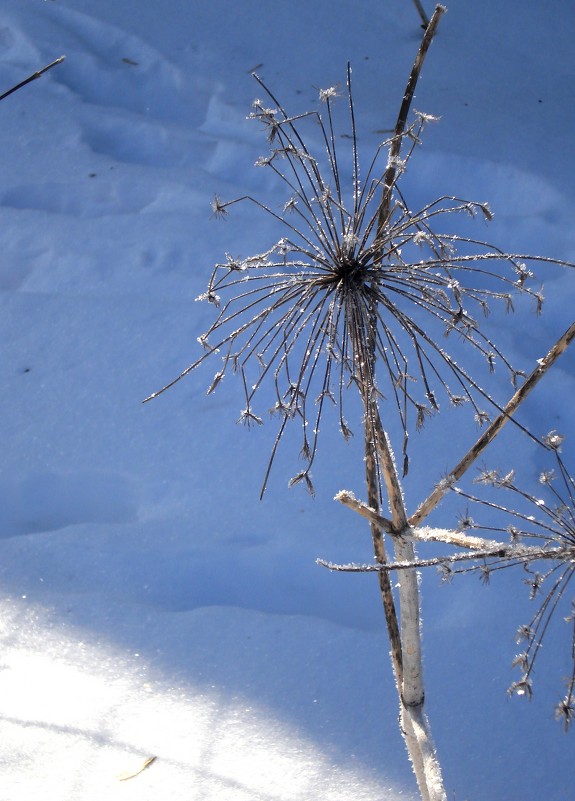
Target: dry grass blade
[(131, 774)]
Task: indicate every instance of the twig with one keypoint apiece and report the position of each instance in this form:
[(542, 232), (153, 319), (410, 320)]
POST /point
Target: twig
[(32, 77), (458, 538), (348, 499), (542, 366), (397, 138), (421, 12), (124, 777), (509, 552)]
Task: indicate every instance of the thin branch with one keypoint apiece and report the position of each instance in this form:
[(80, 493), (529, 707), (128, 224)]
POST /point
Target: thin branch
[(32, 77), (491, 432), (421, 12), (390, 174), (458, 538), (391, 479), (479, 546), (348, 499), (353, 567), (519, 553)]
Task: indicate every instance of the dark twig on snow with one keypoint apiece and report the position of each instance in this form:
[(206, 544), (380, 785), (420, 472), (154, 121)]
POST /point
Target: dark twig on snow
[(33, 77)]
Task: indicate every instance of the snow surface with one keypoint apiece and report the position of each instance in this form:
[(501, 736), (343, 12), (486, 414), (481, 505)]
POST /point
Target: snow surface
[(150, 605)]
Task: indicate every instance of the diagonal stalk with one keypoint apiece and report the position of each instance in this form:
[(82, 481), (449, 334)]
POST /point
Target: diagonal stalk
[(397, 139), (491, 432), (32, 77)]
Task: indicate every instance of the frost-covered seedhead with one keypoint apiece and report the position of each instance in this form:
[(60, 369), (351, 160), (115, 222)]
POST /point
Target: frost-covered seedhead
[(546, 520), (358, 290)]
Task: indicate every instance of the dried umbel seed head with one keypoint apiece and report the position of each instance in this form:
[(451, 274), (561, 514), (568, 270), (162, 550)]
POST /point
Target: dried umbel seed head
[(542, 540), (358, 290)]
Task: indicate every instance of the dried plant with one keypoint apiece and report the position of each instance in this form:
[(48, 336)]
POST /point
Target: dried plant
[(357, 292), (538, 532), (355, 265), (541, 539)]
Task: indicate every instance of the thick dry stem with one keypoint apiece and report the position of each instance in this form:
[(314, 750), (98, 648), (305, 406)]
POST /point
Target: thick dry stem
[(372, 480), (414, 722), (412, 692), (414, 750)]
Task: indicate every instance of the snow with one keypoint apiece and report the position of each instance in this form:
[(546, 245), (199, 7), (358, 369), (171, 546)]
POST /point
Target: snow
[(150, 604)]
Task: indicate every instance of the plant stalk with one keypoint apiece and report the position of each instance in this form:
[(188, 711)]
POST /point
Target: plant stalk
[(491, 432), (380, 468), (394, 150), (412, 693), (32, 77)]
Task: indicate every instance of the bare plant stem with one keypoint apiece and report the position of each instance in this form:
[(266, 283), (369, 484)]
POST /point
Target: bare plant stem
[(521, 556), (491, 432), (397, 139), (421, 12), (393, 631), (415, 723), (381, 558), (373, 482), (404, 638), (33, 77), (348, 499)]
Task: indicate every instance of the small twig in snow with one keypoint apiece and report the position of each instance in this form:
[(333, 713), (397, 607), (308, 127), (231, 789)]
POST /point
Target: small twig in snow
[(32, 77), (123, 777)]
